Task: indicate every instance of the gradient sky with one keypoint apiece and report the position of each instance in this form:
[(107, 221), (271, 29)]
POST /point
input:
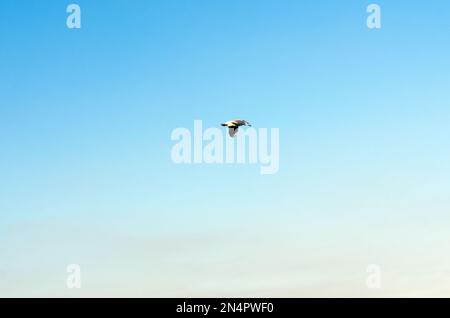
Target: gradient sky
[(86, 175)]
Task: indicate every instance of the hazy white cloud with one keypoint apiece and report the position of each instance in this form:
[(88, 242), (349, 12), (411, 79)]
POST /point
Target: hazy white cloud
[(222, 263)]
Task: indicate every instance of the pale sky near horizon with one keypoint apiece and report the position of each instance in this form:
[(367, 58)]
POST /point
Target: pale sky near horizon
[(86, 175)]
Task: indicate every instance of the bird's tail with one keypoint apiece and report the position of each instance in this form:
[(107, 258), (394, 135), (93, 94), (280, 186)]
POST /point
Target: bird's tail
[(223, 125)]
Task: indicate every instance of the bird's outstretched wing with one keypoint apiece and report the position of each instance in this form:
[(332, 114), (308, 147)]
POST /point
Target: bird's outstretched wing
[(232, 131)]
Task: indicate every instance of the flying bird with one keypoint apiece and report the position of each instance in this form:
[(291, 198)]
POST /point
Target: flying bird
[(233, 126)]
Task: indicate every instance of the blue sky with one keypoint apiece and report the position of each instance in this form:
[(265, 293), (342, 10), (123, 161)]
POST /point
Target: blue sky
[(86, 175)]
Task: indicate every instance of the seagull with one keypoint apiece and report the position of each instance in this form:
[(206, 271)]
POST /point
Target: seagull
[(233, 126)]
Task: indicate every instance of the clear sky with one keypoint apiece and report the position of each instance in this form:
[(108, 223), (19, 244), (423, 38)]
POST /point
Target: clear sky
[(86, 175)]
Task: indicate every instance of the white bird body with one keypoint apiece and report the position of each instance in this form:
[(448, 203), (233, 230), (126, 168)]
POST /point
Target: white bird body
[(233, 126)]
